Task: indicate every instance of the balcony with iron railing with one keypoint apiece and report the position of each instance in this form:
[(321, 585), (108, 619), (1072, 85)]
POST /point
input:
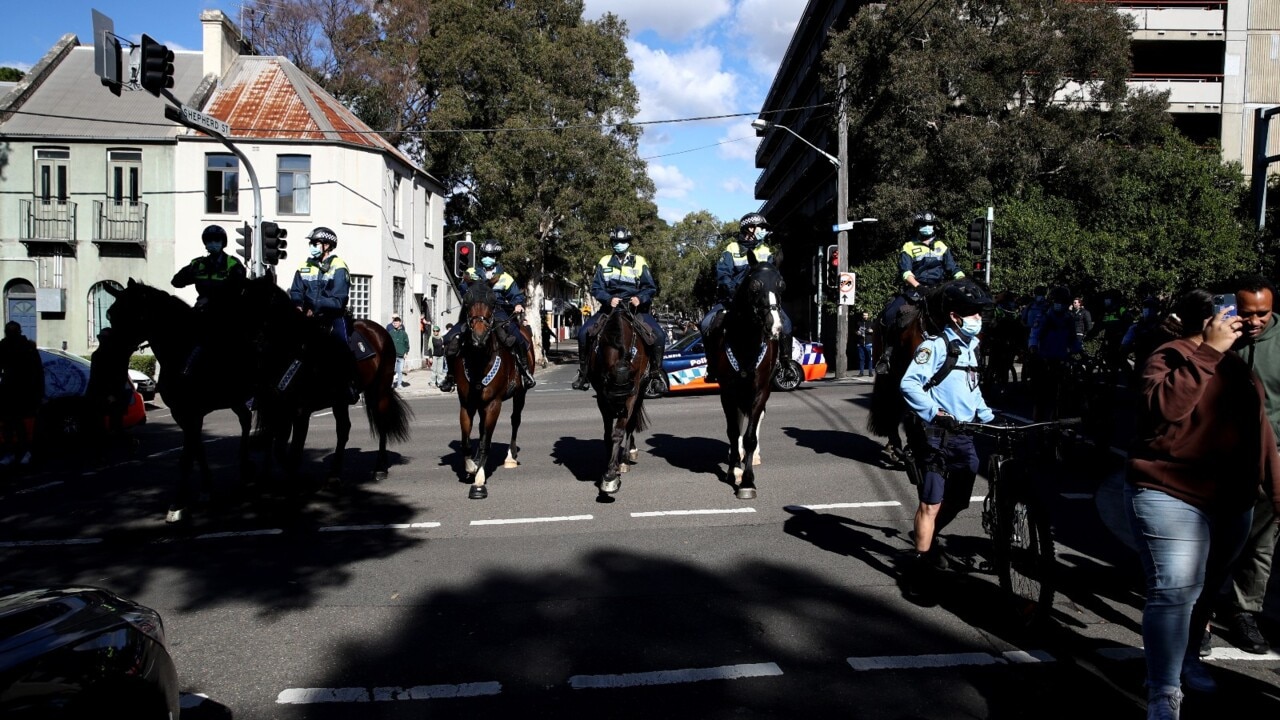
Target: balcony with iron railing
[(120, 221), (47, 220)]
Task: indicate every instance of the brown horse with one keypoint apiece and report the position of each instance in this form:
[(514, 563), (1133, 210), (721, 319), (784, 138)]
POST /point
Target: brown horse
[(617, 366), (486, 374), (888, 405), (746, 364)]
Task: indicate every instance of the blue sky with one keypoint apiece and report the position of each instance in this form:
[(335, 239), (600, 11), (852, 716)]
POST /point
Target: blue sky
[(692, 58)]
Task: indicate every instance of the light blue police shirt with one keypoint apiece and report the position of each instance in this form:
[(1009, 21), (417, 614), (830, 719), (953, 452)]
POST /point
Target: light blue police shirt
[(958, 394)]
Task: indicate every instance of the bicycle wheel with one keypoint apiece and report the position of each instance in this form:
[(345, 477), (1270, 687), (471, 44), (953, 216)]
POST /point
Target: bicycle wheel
[(1023, 548)]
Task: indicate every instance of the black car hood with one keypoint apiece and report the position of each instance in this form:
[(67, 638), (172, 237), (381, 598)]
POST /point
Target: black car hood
[(37, 620)]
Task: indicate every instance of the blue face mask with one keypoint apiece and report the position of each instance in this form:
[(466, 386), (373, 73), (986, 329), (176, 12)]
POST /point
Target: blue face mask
[(488, 262), (621, 248), (761, 234), (212, 247), (926, 231), (315, 251), (971, 326)]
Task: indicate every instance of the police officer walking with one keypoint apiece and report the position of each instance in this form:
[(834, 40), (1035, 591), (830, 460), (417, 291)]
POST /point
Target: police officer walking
[(510, 303), (210, 273), (623, 278), (941, 388)]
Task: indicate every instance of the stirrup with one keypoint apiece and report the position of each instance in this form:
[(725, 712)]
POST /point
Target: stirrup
[(446, 384), (581, 382)]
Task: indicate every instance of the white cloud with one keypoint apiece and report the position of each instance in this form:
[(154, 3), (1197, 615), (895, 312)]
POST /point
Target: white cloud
[(740, 141), (736, 184), (672, 19), (769, 24), (684, 84), (669, 181), (23, 66)]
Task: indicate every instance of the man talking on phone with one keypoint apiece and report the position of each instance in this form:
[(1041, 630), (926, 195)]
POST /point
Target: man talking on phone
[(1259, 345)]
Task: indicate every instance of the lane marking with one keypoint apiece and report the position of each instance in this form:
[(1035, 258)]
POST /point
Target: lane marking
[(672, 677), (977, 498), (1027, 657), (238, 533), (388, 526), (517, 521), (431, 692), (307, 696), (725, 511), (326, 413), (914, 662), (39, 487), (41, 543), (838, 506)]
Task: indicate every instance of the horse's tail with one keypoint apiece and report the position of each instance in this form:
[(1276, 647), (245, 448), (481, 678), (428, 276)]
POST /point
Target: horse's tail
[(887, 406), (394, 422)]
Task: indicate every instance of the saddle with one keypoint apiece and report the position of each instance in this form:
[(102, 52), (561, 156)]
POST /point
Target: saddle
[(360, 346)]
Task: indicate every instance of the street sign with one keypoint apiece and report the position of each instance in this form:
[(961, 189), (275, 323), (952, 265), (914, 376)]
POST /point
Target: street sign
[(199, 119), (847, 290), (842, 226)]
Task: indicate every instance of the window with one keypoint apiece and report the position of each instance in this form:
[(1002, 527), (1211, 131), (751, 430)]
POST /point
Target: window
[(20, 306), (359, 301), (397, 296), (293, 185), (124, 177), (396, 210), (99, 302), (426, 217), (52, 168), (222, 183)]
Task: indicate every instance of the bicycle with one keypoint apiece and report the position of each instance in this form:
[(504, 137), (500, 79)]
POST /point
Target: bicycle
[(1015, 514)]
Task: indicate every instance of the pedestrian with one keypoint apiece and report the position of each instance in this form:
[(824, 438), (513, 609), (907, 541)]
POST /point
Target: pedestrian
[(1205, 445), (401, 338), (865, 337), (438, 365), (1082, 317), (21, 392)]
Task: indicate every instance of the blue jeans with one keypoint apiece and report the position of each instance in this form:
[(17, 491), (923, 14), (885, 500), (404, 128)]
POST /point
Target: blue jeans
[(395, 382), (866, 362), (1186, 553)]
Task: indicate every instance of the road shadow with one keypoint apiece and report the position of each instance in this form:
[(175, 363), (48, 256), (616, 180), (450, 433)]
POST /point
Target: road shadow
[(702, 455), (840, 443), (585, 459)]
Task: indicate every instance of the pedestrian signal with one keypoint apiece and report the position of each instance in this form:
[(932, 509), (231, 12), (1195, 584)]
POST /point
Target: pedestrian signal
[(832, 276), (273, 243), (977, 236), (464, 257), (245, 241)]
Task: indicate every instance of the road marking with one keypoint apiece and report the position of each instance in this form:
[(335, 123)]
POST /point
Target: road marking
[(238, 533), (39, 487), (977, 498), (1218, 653), (1077, 496), (914, 662), (837, 506), (1027, 657), (725, 511), (672, 677), (326, 413), (517, 521), (388, 526), (41, 543), (310, 696)]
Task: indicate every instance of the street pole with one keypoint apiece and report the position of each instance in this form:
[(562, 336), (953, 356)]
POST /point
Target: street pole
[(822, 279), (991, 220), (842, 217)]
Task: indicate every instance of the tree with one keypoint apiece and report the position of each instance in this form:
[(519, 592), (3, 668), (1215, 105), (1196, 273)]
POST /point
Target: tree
[(11, 74)]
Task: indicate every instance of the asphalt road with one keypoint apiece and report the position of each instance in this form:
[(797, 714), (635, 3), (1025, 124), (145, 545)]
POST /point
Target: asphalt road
[(404, 599)]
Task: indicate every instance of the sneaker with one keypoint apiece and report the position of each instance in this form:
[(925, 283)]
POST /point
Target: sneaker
[(1164, 706), (1246, 635), (1196, 677), (1206, 645), (404, 384)]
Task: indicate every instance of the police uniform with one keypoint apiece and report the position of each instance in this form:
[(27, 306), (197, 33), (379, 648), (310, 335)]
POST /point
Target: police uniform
[(507, 295), (323, 286), (731, 270), (951, 463), (209, 273), (930, 263)]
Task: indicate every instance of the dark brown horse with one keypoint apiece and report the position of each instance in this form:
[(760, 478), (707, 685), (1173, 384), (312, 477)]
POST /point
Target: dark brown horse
[(888, 405), (486, 374), (746, 364), (617, 366)]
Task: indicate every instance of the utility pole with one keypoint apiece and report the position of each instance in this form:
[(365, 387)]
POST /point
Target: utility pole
[(842, 240)]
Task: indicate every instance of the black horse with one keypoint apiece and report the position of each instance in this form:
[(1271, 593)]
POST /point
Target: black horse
[(194, 379), (486, 374), (300, 367), (746, 364), (617, 367)]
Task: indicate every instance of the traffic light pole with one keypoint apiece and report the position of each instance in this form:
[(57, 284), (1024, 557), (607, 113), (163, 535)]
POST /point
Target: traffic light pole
[(986, 267), (842, 239)]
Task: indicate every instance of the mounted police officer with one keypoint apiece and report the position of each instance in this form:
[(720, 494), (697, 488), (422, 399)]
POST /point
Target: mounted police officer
[(623, 278), (941, 388), (211, 273), (924, 261), (510, 303), (322, 288), (731, 270)]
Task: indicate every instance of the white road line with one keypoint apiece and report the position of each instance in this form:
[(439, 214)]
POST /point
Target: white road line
[(322, 414), (238, 533), (672, 677), (310, 696), (39, 487), (517, 521), (1218, 653), (389, 526), (1027, 657), (913, 662), (837, 506), (977, 498), (1077, 496), (41, 543), (725, 511)]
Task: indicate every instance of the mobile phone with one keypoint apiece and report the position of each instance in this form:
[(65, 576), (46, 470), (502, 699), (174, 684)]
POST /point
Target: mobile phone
[(1227, 301)]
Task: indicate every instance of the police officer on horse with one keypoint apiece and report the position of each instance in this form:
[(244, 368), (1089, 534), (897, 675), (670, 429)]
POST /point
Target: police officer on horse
[(623, 278), (322, 288), (731, 270), (924, 261), (211, 273), (510, 303)]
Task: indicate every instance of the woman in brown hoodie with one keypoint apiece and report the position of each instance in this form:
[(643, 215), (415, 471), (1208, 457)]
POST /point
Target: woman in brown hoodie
[(1203, 446)]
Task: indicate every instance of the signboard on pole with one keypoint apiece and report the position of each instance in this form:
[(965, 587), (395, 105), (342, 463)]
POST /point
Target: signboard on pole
[(847, 289)]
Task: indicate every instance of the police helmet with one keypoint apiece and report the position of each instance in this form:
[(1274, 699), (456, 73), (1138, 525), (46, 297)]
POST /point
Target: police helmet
[(214, 233), (620, 234), (965, 297), (750, 220), (323, 235), (924, 218), (490, 248)]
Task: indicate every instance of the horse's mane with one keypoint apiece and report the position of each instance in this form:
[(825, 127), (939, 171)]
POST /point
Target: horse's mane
[(166, 302), (479, 292)]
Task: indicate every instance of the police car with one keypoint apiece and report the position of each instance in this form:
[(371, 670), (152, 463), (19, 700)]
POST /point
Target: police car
[(685, 364)]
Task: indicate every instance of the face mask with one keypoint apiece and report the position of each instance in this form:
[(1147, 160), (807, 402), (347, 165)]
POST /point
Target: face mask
[(488, 262), (971, 326), (1058, 307), (621, 248), (926, 231), (1039, 298), (314, 251), (761, 234), (212, 247)]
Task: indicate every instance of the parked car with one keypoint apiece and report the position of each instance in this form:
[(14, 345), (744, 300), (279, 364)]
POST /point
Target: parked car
[(143, 383), (83, 652), (685, 364)]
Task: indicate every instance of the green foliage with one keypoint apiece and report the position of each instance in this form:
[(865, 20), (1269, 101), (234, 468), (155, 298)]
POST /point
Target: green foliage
[(144, 364), (10, 74)]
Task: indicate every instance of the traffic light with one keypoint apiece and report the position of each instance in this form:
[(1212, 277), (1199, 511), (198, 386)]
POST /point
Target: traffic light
[(979, 267), (977, 236), (156, 67), (245, 241), (273, 243), (833, 265), (464, 257)]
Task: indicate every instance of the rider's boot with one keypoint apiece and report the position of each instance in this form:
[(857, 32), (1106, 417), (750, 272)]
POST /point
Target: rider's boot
[(886, 358), (657, 376), (522, 362), (582, 382), (785, 347), (711, 346), (451, 350)]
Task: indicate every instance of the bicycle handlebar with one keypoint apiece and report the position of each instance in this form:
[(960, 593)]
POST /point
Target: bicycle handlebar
[(1008, 427)]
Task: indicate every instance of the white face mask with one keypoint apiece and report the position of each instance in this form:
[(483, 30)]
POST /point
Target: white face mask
[(621, 248), (971, 326), (315, 251)]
